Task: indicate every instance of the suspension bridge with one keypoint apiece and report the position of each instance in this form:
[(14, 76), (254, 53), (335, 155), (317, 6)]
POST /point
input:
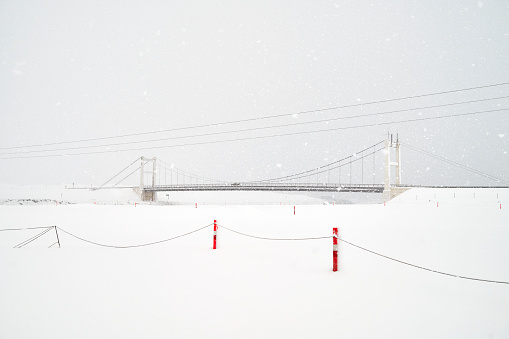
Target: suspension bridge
[(163, 177)]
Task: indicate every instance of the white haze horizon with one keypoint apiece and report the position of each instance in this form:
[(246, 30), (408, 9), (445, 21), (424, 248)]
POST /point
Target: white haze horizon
[(77, 71)]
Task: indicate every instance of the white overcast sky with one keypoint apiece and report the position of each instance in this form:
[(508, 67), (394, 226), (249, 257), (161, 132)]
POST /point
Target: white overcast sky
[(91, 69)]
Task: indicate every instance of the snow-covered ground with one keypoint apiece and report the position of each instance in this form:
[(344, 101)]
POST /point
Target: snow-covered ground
[(252, 288)]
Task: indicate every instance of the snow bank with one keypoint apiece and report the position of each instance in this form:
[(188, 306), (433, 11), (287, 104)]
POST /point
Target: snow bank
[(253, 288)]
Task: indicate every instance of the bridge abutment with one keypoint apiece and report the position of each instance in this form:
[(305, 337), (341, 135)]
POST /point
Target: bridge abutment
[(148, 195)]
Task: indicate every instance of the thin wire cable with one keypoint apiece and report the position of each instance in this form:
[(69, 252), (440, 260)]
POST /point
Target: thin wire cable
[(312, 171), (422, 268), (264, 238), (457, 164), (136, 170), (340, 165), (175, 169), (22, 229), (256, 137), (132, 246), (248, 129), (473, 170), (266, 117), (26, 242), (118, 173), (56, 242)]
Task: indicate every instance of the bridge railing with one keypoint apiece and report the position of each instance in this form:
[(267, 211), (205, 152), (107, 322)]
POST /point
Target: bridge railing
[(248, 184)]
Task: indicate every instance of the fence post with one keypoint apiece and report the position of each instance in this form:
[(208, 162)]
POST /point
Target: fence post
[(58, 239), (334, 249), (215, 235)]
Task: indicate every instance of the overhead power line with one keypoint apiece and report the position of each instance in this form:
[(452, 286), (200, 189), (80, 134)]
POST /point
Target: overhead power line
[(253, 128), (256, 137), (261, 118)]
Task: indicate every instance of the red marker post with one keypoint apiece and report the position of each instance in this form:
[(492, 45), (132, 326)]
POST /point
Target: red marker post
[(334, 249), (293, 210), (215, 235)]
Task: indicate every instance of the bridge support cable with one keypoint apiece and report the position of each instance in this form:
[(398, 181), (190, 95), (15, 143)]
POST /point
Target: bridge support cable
[(310, 172), (333, 167), (121, 180), (116, 175), (457, 164), (339, 176), (362, 168), (167, 167), (374, 166)]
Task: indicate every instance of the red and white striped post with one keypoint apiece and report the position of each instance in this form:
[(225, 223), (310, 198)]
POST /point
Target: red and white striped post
[(334, 249), (215, 235)]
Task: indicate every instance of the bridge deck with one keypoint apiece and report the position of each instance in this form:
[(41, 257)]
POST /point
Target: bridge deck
[(377, 188)]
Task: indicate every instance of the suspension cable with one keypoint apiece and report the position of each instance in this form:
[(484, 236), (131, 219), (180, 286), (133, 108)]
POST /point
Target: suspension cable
[(118, 174), (457, 164)]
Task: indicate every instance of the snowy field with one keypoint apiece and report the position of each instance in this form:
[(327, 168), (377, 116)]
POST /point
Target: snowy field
[(253, 288)]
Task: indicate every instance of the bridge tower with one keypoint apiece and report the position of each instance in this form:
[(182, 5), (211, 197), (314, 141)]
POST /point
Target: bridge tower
[(391, 191), (147, 195)]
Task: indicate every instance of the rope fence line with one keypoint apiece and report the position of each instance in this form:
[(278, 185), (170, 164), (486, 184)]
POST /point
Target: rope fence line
[(25, 228), (265, 238), (422, 268), (373, 252), (26, 242), (132, 246), (47, 229)]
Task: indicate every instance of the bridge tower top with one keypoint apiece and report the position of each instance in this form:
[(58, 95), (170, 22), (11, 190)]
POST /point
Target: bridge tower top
[(391, 144)]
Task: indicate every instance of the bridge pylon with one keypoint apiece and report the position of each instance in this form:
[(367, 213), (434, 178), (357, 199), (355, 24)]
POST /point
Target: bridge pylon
[(147, 195), (391, 191)]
